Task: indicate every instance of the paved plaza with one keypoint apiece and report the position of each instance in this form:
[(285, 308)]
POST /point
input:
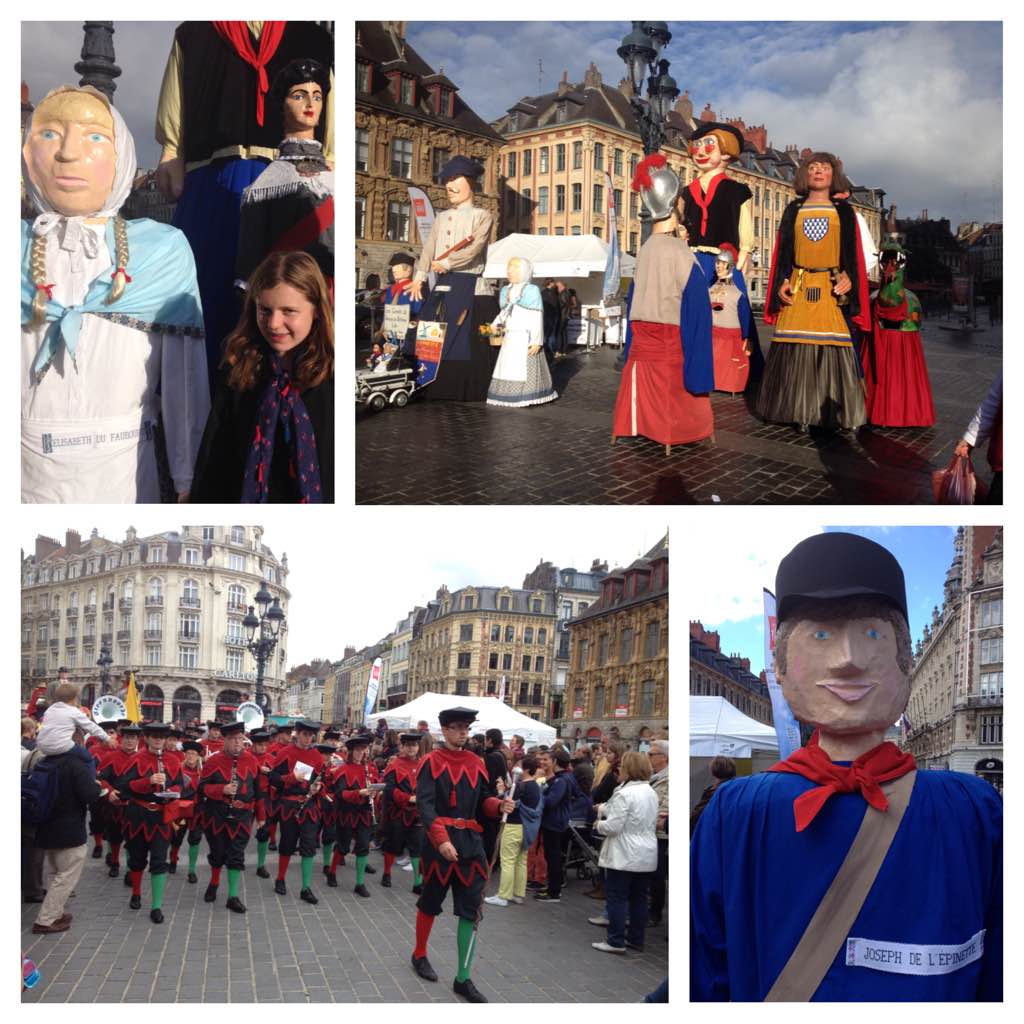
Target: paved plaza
[(345, 949), (469, 453)]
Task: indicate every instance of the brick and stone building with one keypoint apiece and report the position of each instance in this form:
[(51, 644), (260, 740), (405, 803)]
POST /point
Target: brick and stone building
[(715, 674)]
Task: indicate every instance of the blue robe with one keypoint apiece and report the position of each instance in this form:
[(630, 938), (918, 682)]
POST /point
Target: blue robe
[(755, 883)]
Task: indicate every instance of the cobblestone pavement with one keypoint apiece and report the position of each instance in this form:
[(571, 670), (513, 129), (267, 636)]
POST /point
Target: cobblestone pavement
[(452, 453), (344, 949)]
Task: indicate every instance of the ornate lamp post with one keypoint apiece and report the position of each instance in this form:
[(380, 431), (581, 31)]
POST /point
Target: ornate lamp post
[(104, 661), (263, 633), (97, 66)]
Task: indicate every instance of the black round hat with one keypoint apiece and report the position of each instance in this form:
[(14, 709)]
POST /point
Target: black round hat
[(192, 745), (130, 728), (833, 565), (259, 736), (402, 257), (362, 740), (324, 748), (214, 725), (450, 715), (156, 728), (231, 728), (461, 167), (410, 737), (710, 126), (307, 726)]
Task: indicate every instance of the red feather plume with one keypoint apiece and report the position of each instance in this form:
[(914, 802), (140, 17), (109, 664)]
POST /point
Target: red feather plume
[(642, 177)]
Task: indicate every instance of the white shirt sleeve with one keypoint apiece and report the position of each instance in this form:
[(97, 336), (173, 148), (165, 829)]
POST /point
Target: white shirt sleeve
[(185, 402), (980, 427), (86, 724)]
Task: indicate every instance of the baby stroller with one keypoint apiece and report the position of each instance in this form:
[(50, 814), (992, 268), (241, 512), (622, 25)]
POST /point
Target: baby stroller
[(582, 852)]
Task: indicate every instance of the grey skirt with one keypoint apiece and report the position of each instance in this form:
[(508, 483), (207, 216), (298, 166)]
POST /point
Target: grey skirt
[(535, 390), (817, 385)]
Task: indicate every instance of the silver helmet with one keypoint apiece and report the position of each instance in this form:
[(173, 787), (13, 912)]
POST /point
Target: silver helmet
[(658, 186)]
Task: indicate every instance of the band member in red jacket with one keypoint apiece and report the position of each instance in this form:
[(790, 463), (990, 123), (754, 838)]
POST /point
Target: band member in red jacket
[(264, 754), (402, 827), (279, 739), (109, 776), (213, 741), (298, 808), (151, 785), (329, 807), (188, 825), (451, 796), (355, 815), (99, 812), (228, 787)]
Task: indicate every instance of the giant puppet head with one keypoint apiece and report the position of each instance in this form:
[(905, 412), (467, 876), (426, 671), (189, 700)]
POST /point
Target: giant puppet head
[(299, 92), (712, 146), (458, 176), (842, 649)]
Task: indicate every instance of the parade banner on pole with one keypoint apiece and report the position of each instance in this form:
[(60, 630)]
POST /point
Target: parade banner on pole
[(423, 210), (134, 711), (371, 688), (787, 728), (501, 692), (613, 269)]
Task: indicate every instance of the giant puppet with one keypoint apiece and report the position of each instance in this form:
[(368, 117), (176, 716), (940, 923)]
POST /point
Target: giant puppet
[(818, 301), (218, 129), (843, 873), (111, 335), (663, 394)]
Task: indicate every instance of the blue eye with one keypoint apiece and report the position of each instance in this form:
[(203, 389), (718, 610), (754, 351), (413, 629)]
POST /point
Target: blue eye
[(96, 137), (874, 634), (821, 634), (48, 133)]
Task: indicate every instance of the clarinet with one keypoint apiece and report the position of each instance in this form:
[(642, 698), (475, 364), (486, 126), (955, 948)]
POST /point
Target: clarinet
[(230, 813)]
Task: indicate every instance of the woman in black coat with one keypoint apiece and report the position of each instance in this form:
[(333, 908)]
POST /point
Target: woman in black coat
[(270, 435)]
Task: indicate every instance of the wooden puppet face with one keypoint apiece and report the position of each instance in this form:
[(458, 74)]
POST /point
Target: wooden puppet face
[(70, 152), (302, 107), (516, 271), (459, 190), (707, 154)]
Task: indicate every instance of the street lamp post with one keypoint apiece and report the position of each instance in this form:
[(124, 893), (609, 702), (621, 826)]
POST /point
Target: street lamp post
[(97, 66), (263, 633), (104, 661), (640, 51)]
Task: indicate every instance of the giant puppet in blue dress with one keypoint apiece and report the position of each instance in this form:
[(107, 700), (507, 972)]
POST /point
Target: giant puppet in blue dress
[(768, 848)]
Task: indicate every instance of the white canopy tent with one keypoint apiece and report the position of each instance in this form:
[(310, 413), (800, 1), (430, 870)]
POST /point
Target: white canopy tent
[(718, 728), (491, 714)]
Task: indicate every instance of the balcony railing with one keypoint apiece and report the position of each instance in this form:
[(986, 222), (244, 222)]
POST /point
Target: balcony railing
[(55, 615), (154, 601), (189, 602), (236, 606), (152, 634), (125, 604), (188, 638), (124, 634), (980, 700), (90, 609), (71, 613), (106, 638), (71, 641)]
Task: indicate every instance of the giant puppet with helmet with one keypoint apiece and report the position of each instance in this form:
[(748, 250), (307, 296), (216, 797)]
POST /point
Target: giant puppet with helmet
[(817, 880), (669, 368)]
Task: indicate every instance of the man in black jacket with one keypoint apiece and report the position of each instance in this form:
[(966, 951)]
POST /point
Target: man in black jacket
[(497, 768), (63, 837)]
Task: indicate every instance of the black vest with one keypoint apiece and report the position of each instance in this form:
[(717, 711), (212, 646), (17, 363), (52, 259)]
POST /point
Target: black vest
[(218, 100), (723, 215)]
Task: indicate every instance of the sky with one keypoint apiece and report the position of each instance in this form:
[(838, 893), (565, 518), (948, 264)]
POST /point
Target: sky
[(895, 101), (352, 578), (50, 50), (731, 597)]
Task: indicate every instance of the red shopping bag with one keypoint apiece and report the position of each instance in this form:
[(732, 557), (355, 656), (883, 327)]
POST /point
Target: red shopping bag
[(957, 484)]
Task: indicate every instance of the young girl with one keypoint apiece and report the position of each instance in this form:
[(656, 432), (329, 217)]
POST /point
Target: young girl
[(270, 436)]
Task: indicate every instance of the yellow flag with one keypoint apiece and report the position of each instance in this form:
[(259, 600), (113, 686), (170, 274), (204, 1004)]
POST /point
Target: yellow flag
[(132, 701)]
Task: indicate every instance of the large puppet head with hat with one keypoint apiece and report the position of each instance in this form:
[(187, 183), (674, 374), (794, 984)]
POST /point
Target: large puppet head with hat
[(842, 645), (713, 145), (458, 176)]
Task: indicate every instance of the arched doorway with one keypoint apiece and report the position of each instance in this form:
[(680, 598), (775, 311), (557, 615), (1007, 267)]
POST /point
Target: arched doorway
[(188, 705), (227, 705), (991, 770), (152, 703)]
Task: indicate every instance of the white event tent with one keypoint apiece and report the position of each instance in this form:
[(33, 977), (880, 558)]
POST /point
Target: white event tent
[(718, 728), (491, 714)]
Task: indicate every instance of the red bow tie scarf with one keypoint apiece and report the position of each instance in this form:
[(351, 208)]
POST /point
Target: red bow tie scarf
[(237, 34)]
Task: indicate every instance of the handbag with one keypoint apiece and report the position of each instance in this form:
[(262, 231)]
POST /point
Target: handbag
[(957, 484), (829, 927)]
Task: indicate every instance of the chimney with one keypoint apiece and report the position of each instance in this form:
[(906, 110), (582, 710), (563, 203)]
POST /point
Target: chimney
[(349, 652), (45, 546), (924, 215), (684, 106), (564, 85), (592, 78), (598, 566), (73, 541), (707, 114)]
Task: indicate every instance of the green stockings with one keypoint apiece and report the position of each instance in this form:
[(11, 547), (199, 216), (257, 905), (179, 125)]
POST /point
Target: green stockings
[(233, 877), (307, 872), (416, 877), (361, 869), (261, 852), (466, 939), (158, 882), (193, 857), (328, 850)]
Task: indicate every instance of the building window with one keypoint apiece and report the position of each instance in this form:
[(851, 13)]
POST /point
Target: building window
[(538, 694), (577, 201), (401, 158), (526, 662), (617, 195), (598, 198), (188, 626), (559, 199), (634, 162), (506, 662), (467, 602), (237, 534), (991, 728), (992, 612), (632, 242), (647, 697), (527, 204), (512, 165), (398, 222), (542, 635), (626, 646), (156, 553), (438, 158), (233, 662), (617, 162), (757, 227), (602, 649), (575, 229), (510, 634), (527, 162), (360, 216), (582, 663), (542, 199), (991, 684), (538, 665), (495, 634), (362, 149), (577, 156), (992, 651), (599, 702), (408, 90), (528, 635), (191, 556), (188, 657), (542, 163), (492, 660), (462, 687), (466, 630), (362, 77), (622, 695), (598, 156), (190, 594), (560, 157), (538, 605), (652, 640)]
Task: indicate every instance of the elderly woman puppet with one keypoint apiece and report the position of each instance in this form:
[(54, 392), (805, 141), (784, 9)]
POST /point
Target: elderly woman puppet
[(112, 335), (817, 879), (521, 375)]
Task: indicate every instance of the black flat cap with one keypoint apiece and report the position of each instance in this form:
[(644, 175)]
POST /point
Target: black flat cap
[(362, 740), (307, 726), (192, 745), (450, 715), (410, 737), (461, 167), (232, 728), (130, 728), (156, 728), (259, 736)]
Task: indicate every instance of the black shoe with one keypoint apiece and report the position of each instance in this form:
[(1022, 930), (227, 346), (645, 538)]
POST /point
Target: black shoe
[(193, 877), (468, 991), (280, 888), (385, 880), (210, 896), (417, 890), (272, 846), (35, 897), (135, 902), (633, 946), (308, 896), (546, 897), (332, 881), (535, 886), (97, 852), (421, 965), (361, 890), (370, 869), (172, 867), (262, 872), (156, 916), (235, 904), (113, 871)]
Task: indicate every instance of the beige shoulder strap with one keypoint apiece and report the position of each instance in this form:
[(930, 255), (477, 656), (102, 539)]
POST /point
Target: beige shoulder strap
[(839, 907)]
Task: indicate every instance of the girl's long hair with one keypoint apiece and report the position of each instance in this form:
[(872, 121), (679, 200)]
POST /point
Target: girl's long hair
[(246, 352)]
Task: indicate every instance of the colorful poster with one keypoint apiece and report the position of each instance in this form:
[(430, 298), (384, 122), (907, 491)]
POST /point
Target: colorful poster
[(371, 688), (577, 712), (621, 710), (423, 211), (429, 343)]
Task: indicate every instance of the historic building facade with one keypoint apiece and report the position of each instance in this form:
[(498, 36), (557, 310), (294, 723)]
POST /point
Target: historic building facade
[(474, 637), (399, 688), (714, 674), (410, 120), (954, 719), (168, 606), (558, 146), (617, 681)]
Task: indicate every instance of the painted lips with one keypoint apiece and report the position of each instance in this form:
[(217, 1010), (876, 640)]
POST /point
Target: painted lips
[(849, 692)]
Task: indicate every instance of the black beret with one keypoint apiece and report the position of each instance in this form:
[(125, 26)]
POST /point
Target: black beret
[(232, 728), (214, 725), (307, 726), (710, 126), (358, 741), (259, 736), (461, 167), (411, 737), (450, 715), (192, 745), (401, 257)]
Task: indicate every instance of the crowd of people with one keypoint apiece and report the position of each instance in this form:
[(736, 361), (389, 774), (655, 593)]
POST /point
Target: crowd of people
[(451, 810)]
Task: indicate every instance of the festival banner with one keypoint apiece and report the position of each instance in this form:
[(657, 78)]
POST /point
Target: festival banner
[(131, 703), (787, 728), (613, 268), (372, 686), (429, 343), (423, 211), (501, 691)]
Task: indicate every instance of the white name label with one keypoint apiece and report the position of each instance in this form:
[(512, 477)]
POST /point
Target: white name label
[(906, 958)]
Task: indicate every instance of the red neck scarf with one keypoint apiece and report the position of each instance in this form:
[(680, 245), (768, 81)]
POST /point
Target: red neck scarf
[(398, 287), (704, 199), (880, 764), (237, 34)]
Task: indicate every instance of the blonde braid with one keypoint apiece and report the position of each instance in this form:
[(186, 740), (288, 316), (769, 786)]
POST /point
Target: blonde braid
[(37, 268), (120, 275)]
